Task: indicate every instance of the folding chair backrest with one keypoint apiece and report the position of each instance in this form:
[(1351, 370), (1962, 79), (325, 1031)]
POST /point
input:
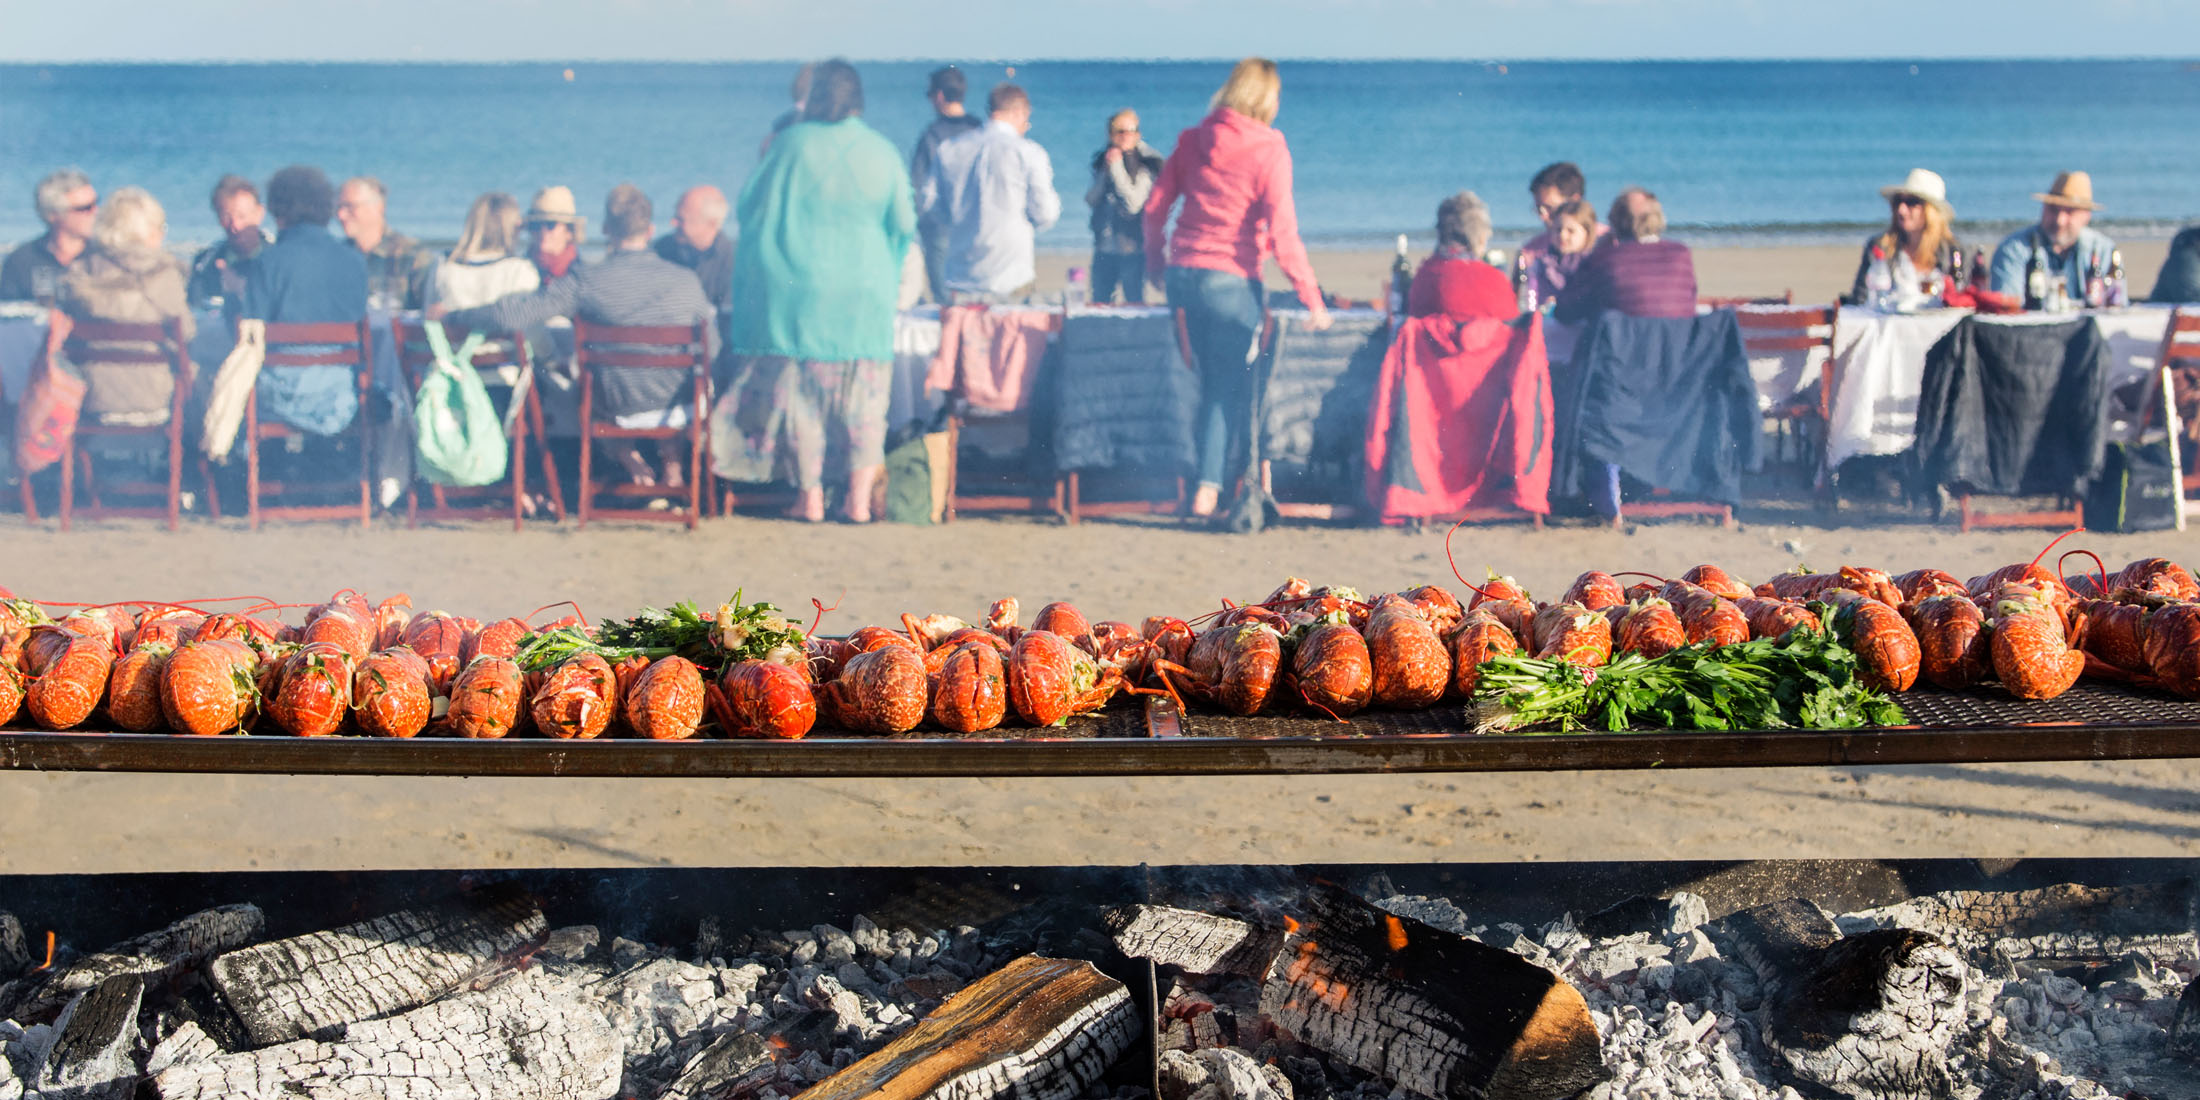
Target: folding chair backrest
[(1785, 297), (670, 347), (2181, 339), (124, 342), (1768, 330), (343, 344), (414, 354)]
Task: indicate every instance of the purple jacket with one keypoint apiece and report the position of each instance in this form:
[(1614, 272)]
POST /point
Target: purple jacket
[(1640, 279)]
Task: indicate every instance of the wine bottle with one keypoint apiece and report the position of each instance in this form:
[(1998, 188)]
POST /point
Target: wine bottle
[(2035, 281), (1523, 283), (1401, 277), (2119, 292), (2096, 283)]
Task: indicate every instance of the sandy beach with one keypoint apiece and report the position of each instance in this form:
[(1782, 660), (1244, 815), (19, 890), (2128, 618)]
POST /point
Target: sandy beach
[(79, 822)]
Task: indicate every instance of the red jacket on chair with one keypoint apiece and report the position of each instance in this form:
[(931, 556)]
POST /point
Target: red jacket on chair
[(1461, 416)]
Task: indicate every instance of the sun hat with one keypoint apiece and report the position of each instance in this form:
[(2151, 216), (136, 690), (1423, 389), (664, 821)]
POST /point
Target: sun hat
[(2071, 189), (555, 204), (1922, 183)]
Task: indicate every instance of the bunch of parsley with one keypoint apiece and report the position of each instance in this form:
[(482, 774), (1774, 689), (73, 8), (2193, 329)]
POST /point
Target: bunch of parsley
[(754, 629), (1803, 680)]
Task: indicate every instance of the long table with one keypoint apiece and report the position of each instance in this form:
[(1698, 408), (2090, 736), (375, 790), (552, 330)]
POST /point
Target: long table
[(1879, 368)]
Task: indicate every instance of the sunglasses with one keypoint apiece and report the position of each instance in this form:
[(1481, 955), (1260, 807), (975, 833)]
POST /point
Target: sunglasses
[(1908, 200), (86, 208), (1128, 130)]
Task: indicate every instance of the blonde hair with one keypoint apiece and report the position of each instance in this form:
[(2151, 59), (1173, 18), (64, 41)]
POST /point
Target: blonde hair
[(130, 221), (1579, 212), (1926, 254), (1253, 90), (492, 228), (1118, 117)]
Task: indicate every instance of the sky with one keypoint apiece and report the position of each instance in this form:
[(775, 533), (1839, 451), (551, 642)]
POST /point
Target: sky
[(762, 30)]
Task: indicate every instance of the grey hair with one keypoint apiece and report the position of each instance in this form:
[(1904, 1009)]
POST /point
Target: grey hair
[(1627, 225), (1464, 219), (131, 221), (53, 192)]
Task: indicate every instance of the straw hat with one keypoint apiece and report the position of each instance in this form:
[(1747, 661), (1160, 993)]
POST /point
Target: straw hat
[(555, 204), (1923, 184), (2071, 189)]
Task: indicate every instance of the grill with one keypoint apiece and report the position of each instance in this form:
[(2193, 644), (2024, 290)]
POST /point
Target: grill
[(2091, 722)]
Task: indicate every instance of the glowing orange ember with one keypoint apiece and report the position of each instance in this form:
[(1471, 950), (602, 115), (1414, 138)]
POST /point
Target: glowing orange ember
[(1290, 925), (1397, 930)]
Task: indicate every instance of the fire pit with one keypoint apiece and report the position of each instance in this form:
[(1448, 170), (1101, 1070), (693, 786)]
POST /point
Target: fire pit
[(1082, 984)]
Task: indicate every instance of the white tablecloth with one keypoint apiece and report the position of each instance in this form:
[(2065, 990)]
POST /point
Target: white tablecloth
[(1879, 368)]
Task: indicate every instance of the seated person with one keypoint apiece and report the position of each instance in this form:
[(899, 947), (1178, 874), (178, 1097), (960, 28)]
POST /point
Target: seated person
[(306, 277), (631, 286), (698, 242), (127, 277), (1574, 232), (1916, 245), (67, 203), (2064, 241), (2180, 277), (397, 266), (219, 270), (554, 228), (1635, 271), (484, 266), (1454, 281), (1556, 187)]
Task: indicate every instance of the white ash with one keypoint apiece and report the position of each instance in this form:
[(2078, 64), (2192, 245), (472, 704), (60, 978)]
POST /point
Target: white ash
[(1676, 1012)]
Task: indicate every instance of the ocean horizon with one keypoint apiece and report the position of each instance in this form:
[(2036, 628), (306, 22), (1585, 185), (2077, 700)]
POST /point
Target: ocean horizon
[(1741, 151)]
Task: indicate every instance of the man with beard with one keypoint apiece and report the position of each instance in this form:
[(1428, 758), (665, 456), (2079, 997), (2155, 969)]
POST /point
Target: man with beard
[(220, 269), (2067, 247)]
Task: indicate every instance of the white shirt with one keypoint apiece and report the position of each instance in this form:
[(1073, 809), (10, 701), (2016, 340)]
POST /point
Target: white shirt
[(993, 189), (464, 284)]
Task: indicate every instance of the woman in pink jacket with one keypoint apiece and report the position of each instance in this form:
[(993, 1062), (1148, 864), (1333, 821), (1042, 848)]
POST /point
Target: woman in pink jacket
[(1232, 176)]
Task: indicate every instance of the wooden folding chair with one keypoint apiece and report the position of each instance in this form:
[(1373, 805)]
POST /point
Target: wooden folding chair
[(500, 353), (1801, 329), (642, 347), (2180, 358), (93, 342), (1054, 496), (352, 344)]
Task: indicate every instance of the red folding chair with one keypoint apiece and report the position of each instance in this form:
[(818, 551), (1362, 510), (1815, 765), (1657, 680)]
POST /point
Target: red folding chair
[(353, 346), (505, 352), (642, 347), (124, 345)]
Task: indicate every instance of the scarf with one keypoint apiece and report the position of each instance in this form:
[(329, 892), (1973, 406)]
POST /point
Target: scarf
[(555, 267)]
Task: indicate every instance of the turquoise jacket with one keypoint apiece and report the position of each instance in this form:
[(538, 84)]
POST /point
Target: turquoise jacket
[(825, 222)]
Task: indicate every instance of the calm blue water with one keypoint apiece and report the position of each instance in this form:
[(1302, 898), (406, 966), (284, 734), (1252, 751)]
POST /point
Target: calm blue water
[(1778, 151)]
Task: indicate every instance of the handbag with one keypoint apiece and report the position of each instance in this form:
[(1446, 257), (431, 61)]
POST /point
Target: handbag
[(458, 435), (46, 419), (2136, 490)]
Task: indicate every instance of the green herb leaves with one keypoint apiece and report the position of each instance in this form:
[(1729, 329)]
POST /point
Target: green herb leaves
[(1805, 680)]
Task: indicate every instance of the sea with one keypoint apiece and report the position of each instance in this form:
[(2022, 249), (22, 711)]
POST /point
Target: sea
[(1739, 152)]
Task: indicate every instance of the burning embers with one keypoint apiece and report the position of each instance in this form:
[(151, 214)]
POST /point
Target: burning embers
[(1312, 995)]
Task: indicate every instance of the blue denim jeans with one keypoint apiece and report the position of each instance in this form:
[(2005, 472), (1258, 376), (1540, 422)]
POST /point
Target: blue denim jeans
[(1222, 318), (1125, 270)]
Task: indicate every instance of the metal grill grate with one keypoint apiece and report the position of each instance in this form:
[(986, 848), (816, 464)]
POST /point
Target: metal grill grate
[(2089, 703)]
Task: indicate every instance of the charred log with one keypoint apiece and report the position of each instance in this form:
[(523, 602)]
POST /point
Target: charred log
[(1869, 1016), (2184, 1027), (151, 957), (15, 955), (311, 986), (1036, 1029), (1192, 941), (95, 1045), (1429, 1010), (532, 1037), (731, 1065), (2065, 923)]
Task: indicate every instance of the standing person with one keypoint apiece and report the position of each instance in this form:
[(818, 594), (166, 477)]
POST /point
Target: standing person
[(798, 93), (397, 267), (1916, 243), (67, 203), (1637, 272), (1123, 172), (1232, 176), (485, 265), (2063, 240), (630, 286), (555, 228), (219, 270), (697, 242), (1454, 281), (993, 188), (127, 277), (945, 90), (824, 221)]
